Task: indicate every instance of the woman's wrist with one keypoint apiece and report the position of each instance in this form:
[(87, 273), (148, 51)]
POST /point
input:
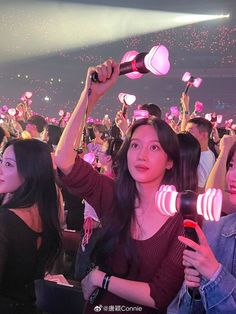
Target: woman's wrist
[(97, 277)]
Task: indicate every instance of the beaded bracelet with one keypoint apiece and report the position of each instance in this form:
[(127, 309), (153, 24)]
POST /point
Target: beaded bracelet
[(105, 282)]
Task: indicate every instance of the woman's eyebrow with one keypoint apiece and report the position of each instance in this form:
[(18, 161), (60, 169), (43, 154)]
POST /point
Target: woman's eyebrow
[(9, 158)]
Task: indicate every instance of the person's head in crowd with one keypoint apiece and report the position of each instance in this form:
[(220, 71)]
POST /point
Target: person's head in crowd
[(153, 109), (190, 152), (27, 179), (160, 141), (231, 174), (3, 138), (36, 126), (107, 155), (201, 129), (100, 131), (54, 133)]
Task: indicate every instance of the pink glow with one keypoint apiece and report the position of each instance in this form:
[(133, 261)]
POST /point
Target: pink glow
[(157, 60), (219, 118), (89, 120), (208, 204), (208, 116), (174, 111), (198, 106), (228, 123), (61, 113), (186, 77), (89, 157), (4, 108), (140, 114), (12, 111), (169, 116), (28, 94), (197, 82), (127, 98), (129, 56)]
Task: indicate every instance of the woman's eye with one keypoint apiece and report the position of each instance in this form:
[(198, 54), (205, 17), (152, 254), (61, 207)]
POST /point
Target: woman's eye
[(134, 145), (231, 165), (154, 147), (8, 164)]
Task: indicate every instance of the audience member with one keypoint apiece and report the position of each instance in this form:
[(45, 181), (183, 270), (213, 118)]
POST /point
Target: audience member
[(29, 224), (135, 233)]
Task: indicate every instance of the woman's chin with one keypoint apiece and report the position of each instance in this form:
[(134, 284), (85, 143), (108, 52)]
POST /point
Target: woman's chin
[(232, 198)]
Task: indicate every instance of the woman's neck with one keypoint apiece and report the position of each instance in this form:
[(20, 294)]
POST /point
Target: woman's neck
[(147, 194)]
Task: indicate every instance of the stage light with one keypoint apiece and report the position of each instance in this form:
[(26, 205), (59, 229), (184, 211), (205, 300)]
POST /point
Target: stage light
[(34, 28)]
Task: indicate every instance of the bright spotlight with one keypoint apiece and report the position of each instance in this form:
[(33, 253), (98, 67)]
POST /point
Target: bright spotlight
[(32, 29)]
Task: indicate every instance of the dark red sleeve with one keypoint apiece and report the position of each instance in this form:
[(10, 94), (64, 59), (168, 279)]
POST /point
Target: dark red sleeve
[(170, 275), (85, 182)]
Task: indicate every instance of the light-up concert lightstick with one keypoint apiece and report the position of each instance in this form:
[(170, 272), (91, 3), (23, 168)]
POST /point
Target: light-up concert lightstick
[(140, 114), (190, 205), (126, 100), (156, 61), (191, 81)]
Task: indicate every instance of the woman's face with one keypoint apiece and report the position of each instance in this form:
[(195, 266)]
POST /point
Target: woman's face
[(10, 180), (231, 180), (147, 161), (102, 155)]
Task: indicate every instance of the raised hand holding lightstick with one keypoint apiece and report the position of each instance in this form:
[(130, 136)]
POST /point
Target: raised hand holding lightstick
[(155, 61), (126, 100)]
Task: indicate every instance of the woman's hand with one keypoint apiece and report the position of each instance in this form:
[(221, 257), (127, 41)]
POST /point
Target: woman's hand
[(202, 259), (121, 122), (91, 282), (107, 73)]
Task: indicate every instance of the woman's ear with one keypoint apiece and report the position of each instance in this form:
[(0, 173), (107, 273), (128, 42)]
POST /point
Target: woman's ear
[(108, 158), (169, 164)]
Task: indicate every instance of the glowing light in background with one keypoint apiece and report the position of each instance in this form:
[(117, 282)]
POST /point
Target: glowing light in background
[(31, 29)]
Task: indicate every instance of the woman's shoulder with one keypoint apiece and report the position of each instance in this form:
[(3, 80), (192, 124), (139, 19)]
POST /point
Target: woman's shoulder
[(5, 220), (226, 226)]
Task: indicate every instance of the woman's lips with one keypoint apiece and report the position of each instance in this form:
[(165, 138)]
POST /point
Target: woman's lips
[(232, 189), (141, 168)]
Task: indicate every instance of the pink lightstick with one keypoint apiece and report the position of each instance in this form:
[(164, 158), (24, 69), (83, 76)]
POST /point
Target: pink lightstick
[(191, 81), (26, 96), (126, 100), (156, 61), (130, 56), (189, 204), (140, 114)]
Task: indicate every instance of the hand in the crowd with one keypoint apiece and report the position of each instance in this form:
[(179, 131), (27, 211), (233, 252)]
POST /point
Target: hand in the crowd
[(107, 72), (226, 143), (215, 134), (184, 100), (121, 122), (88, 285), (202, 259)]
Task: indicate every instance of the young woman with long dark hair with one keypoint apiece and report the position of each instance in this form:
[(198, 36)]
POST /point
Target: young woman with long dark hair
[(29, 224), (138, 259)]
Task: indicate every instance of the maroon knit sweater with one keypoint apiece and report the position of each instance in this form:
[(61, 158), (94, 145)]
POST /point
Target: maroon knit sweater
[(159, 257)]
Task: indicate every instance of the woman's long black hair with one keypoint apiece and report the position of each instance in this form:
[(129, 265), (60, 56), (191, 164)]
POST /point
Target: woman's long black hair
[(34, 165), (190, 152), (117, 227)]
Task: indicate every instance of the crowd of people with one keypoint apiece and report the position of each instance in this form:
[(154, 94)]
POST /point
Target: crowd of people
[(102, 180)]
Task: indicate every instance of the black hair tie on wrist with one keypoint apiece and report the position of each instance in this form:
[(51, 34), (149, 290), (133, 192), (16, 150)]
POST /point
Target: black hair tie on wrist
[(105, 282)]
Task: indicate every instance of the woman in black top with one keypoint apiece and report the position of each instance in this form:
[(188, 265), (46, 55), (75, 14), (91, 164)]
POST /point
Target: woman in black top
[(29, 224)]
